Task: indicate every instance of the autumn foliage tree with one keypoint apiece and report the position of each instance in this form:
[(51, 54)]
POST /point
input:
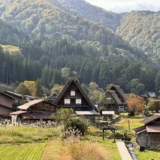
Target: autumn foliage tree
[(136, 104)]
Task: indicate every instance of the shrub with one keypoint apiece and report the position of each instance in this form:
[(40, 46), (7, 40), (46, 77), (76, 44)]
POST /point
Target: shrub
[(131, 113), (70, 121), (79, 123)]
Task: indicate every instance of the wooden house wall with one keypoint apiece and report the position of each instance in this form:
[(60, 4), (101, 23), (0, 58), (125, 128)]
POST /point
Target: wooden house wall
[(43, 107), (5, 111), (6, 101), (155, 139), (144, 140), (111, 101)]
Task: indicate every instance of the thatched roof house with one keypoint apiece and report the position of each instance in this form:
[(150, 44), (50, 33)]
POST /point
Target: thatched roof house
[(73, 96), (115, 100)]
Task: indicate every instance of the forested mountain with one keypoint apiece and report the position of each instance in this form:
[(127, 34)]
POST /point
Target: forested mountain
[(61, 43), (142, 30), (10, 35), (108, 19), (41, 18)]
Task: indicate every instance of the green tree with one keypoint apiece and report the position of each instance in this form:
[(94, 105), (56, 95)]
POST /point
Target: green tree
[(56, 88), (85, 88), (38, 88), (22, 89), (137, 87)]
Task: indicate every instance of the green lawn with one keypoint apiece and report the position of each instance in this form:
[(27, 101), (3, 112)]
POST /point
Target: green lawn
[(148, 155), (22, 151), (133, 123)]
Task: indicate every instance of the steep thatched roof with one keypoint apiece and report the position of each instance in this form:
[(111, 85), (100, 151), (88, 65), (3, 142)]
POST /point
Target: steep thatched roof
[(114, 97), (77, 84), (118, 91)]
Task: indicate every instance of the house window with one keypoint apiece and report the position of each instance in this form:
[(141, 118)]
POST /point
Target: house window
[(78, 101), (121, 108), (67, 101), (73, 93)]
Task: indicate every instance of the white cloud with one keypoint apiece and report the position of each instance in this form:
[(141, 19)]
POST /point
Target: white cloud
[(127, 5)]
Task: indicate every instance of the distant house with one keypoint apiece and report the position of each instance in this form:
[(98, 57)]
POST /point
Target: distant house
[(34, 110), (7, 105), (73, 96), (115, 100), (148, 136), (151, 95)]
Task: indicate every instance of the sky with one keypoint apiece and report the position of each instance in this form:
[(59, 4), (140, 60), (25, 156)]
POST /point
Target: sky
[(120, 6)]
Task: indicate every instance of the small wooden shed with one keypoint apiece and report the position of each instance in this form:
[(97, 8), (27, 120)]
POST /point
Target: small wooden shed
[(148, 136)]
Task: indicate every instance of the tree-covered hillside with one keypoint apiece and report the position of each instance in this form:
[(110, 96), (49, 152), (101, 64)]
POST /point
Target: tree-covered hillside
[(10, 35), (108, 19), (142, 30)]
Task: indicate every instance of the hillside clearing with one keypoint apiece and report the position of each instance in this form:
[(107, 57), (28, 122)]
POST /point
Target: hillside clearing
[(12, 50)]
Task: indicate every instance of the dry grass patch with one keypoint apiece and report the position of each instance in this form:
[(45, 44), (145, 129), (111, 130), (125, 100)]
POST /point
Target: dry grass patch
[(52, 150), (72, 149), (83, 150)]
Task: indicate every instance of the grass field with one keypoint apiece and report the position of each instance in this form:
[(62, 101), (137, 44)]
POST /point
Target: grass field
[(22, 134), (22, 151), (134, 123), (28, 143)]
